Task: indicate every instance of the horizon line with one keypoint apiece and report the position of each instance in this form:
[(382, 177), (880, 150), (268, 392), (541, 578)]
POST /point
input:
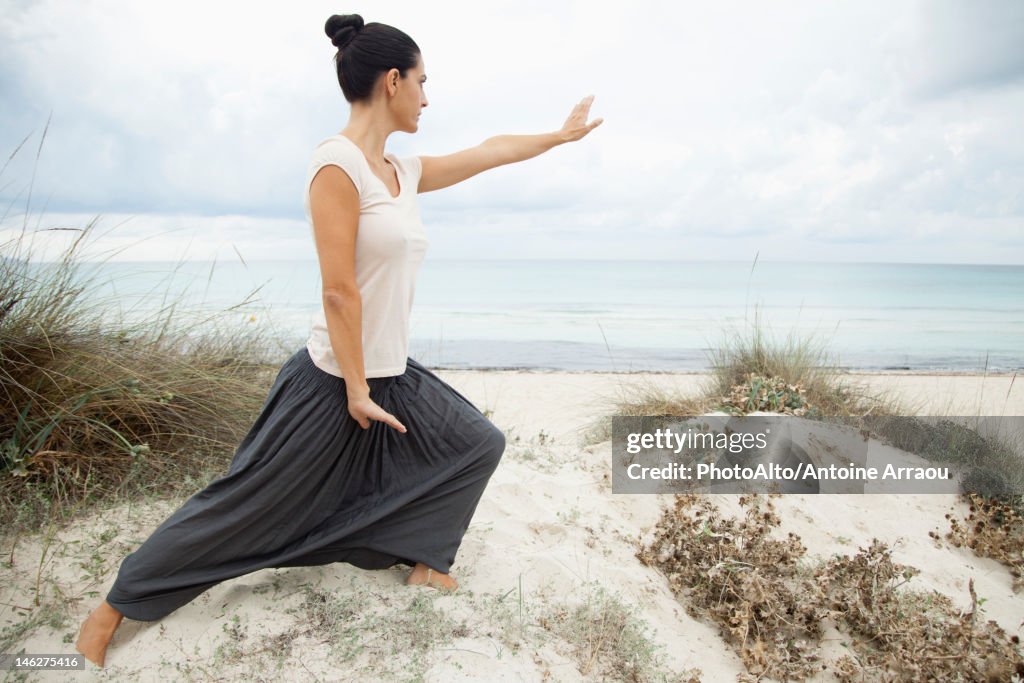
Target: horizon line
[(564, 260)]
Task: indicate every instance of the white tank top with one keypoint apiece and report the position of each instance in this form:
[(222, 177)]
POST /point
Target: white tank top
[(390, 246)]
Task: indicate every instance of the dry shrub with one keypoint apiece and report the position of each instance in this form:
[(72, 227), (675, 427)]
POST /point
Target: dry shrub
[(746, 581), (993, 529), (912, 635), (771, 606)]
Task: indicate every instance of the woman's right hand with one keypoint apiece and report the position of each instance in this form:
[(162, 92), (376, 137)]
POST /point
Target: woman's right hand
[(576, 126), (363, 409)]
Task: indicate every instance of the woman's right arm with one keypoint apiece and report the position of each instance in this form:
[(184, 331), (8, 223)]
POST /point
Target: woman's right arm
[(334, 207)]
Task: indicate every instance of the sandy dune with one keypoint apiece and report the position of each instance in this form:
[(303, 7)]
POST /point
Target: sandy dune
[(548, 526)]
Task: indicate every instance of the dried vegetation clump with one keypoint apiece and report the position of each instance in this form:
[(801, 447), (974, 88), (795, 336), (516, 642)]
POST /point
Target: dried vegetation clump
[(748, 582), (771, 603), (994, 529), (912, 635)]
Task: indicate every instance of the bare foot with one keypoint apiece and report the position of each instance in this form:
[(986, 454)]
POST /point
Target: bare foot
[(96, 632), (422, 574)]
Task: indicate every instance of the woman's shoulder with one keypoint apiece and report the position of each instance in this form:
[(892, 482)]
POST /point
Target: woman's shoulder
[(340, 152), (336, 146)]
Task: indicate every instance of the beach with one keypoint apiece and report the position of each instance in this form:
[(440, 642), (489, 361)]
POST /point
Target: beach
[(819, 222), (547, 531)]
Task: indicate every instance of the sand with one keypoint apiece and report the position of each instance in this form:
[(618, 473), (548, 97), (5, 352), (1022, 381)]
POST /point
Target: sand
[(547, 532)]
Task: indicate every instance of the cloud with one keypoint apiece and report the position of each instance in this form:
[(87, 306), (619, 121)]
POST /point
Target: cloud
[(957, 47), (821, 124)]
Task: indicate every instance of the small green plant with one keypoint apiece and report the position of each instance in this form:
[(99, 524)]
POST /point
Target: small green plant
[(570, 517), (759, 393), (231, 650)]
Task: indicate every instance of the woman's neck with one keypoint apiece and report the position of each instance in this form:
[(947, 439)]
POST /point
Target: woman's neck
[(369, 131)]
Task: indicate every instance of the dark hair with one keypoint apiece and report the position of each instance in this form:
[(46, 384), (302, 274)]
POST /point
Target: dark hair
[(367, 51)]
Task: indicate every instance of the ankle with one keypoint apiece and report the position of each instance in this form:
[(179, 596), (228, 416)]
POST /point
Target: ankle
[(107, 614)]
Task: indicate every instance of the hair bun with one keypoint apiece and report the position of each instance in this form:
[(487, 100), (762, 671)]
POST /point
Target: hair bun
[(342, 29)]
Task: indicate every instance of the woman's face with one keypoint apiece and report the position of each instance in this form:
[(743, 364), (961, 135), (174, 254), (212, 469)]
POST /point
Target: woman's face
[(411, 98)]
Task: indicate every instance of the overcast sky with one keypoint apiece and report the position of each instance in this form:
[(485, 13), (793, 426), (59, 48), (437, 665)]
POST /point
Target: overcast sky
[(853, 131)]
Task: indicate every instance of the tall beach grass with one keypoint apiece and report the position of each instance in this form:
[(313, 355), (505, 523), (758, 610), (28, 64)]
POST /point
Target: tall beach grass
[(94, 406)]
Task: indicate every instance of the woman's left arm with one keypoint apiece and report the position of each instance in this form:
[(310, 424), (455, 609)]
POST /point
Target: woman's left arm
[(445, 171)]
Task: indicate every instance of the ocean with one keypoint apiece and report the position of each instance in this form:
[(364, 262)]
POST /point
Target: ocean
[(632, 315)]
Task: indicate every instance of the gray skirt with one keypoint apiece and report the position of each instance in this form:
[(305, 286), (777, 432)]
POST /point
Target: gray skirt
[(309, 486)]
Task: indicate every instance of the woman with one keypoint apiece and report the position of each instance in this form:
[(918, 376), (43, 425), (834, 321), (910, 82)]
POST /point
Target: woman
[(397, 479)]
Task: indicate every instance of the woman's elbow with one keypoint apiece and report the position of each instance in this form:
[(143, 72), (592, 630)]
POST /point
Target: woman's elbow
[(341, 296)]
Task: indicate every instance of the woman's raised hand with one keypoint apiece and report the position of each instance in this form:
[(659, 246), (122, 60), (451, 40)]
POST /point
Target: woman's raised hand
[(363, 409), (576, 126)]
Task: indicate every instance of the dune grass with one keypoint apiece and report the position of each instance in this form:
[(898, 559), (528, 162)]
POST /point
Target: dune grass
[(751, 371), (95, 407)]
